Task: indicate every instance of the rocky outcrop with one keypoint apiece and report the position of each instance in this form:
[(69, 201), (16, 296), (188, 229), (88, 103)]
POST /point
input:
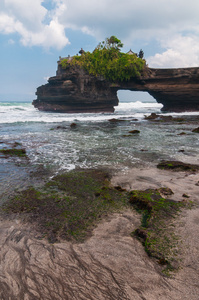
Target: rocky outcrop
[(73, 90)]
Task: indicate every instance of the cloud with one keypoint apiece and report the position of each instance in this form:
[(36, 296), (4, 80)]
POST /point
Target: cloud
[(171, 23), (129, 17), (29, 13), (181, 51), (35, 25)]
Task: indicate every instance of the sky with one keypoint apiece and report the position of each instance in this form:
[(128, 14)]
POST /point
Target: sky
[(33, 34)]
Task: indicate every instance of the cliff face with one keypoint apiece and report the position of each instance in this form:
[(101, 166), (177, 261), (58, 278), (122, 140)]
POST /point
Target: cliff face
[(176, 89), (72, 90)]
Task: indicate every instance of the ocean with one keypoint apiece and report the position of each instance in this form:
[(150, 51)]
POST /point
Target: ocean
[(95, 141)]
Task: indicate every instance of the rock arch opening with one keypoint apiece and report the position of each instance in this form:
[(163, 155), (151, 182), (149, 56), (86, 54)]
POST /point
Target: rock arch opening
[(75, 91), (135, 96)]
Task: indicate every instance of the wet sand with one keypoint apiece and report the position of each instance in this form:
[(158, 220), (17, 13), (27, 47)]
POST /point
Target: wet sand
[(111, 264)]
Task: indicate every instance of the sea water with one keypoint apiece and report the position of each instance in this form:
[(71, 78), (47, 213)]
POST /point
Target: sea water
[(96, 141)]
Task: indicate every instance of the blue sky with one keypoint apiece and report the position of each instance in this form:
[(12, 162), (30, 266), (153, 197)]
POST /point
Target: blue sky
[(33, 34)]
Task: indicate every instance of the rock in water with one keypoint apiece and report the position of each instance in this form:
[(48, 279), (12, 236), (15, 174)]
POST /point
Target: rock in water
[(73, 90)]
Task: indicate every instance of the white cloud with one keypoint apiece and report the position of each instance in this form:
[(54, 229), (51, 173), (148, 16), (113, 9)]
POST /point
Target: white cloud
[(182, 51), (165, 21), (7, 24), (30, 13), (28, 19), (126, 17)]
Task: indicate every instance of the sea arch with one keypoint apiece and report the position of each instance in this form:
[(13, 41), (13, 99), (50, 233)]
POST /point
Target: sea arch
[(73, 90)]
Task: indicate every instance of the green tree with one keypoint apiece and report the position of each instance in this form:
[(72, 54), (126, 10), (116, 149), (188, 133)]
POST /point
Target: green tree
[(108, 61)]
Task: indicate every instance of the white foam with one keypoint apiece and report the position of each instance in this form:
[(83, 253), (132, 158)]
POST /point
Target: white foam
[(25, 112), (126, 106)]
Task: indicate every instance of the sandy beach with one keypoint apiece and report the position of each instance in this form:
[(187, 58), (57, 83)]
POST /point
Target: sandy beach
[(111, 264)]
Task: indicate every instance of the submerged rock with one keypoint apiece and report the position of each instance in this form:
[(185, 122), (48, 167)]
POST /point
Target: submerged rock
[(113, 120), (13, 152)]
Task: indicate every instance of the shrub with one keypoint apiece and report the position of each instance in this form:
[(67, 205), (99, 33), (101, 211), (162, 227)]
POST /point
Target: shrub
[(108, 61)]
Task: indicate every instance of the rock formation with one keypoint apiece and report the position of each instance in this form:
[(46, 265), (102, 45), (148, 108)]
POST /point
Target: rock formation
[(73, 90)]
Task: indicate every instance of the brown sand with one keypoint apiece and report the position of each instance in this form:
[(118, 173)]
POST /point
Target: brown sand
[(110, 264)]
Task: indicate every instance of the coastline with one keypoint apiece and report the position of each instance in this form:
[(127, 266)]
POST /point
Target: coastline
[(110, 264)]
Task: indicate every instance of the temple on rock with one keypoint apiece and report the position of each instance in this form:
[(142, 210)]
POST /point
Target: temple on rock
[(74, 90)]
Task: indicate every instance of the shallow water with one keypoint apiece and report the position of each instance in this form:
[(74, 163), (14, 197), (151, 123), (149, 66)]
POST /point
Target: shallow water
[(95, 141)]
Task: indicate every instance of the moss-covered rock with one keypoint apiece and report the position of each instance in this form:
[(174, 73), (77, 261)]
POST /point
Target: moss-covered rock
[(13, 152), (177, 166), (69, 205), (157, 230)]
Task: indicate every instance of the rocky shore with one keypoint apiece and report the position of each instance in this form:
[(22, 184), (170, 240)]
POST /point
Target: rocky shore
[(110, 263), (101, 233)]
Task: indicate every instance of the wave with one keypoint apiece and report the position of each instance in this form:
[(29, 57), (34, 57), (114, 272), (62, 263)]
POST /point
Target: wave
[(123, 106), (25, 112)]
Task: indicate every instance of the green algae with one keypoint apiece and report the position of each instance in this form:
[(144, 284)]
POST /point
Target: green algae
[(13, 152), (177, 166), (157, 230), (69, 205)]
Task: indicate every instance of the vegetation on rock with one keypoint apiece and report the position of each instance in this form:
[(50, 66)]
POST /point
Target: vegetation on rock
[(108, 61), (157, 229), (177, 166), (13, 152), (69, 204)]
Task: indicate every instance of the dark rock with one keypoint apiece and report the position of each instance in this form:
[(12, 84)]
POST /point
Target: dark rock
[(120, 189), (165, 191), (113, 120), (73, 90), (177, 166), (178, 119), (16, 144), (182, 133), (185, 196), (166, 118), (60, 127), (156, 117), (135, 131), (13, 152), (152, 116), (141, 233), (139, 199), (162, 261), (196, 130), (73, 125)]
